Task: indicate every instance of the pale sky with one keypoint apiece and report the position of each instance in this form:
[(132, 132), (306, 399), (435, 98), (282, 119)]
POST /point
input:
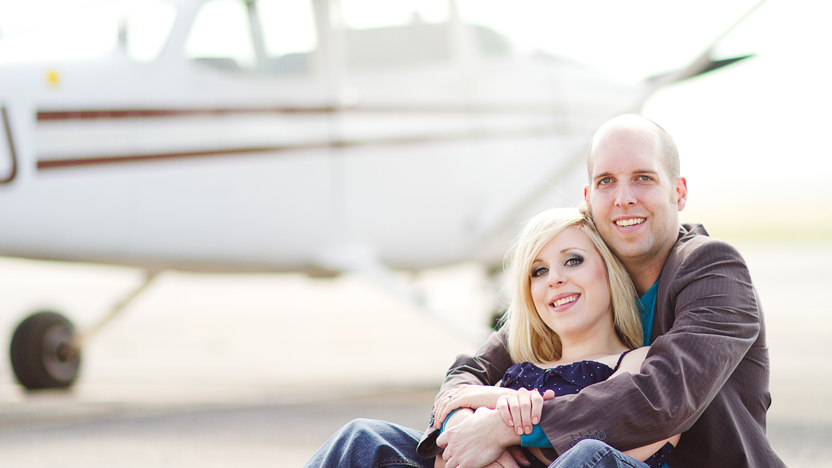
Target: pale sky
[(750, 135)]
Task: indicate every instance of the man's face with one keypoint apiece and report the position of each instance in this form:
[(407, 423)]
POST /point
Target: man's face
[(634, 202)]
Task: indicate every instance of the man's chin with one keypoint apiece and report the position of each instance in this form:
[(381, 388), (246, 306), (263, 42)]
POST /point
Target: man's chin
[(628, 249)]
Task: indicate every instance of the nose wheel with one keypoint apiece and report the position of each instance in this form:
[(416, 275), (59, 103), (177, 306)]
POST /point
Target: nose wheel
[(43, 352)]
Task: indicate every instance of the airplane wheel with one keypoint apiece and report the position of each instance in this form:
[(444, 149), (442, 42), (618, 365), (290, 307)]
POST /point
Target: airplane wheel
[(42, 354)]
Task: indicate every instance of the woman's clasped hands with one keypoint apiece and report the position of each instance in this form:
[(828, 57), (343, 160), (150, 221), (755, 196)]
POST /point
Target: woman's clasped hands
[(520, 409)]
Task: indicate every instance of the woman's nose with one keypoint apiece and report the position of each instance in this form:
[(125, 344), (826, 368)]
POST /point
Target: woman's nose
[(555, 278)]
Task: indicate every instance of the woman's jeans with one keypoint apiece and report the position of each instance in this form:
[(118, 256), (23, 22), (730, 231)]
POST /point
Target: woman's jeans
[(368, 443)]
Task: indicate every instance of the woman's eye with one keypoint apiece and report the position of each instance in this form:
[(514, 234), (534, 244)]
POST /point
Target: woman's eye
[(538, 272), (574, 261)]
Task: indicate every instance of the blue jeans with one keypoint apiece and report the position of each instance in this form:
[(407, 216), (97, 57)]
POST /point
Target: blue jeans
[(591, 453), (367, 443)]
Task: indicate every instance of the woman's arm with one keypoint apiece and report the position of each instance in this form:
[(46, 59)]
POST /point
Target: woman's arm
[(524, 406)]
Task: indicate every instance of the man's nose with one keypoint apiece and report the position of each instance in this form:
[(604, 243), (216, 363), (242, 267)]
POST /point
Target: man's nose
[(625, 196)]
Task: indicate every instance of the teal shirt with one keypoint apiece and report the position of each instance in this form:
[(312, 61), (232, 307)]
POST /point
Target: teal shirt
[(647, 306)]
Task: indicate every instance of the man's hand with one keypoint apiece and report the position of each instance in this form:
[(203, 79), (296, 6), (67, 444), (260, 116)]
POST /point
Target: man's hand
[(478, 441), (522, 408), (512, 457)]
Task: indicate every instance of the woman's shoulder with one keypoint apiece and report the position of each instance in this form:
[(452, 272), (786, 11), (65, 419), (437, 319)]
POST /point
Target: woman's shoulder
[(631, 361)]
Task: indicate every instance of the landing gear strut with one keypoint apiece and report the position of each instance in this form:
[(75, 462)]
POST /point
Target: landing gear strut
[(46, 350)]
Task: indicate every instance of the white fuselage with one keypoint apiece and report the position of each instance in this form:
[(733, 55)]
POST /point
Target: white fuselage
[(182, 163)]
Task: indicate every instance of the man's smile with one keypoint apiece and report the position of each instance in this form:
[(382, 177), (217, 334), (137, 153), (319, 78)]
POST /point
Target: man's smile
[(629, 222)]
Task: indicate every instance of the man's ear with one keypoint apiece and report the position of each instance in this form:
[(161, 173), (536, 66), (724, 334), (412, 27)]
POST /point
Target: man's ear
[(586, 194), (681, 193)]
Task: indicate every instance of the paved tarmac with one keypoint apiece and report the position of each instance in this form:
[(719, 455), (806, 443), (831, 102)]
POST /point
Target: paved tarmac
[(258, 370)]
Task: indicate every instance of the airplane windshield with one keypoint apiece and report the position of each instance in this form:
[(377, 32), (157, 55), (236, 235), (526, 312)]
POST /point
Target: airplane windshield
[(367, 14), (147, 29), (385, 34), (266, 35)]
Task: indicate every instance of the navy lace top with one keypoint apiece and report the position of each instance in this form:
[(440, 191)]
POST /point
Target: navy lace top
[(570, 379)]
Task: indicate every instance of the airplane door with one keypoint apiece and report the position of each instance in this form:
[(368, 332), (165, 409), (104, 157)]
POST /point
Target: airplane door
[(8, 157)]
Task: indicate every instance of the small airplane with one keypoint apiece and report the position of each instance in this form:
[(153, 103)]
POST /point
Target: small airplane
[(399, 147)]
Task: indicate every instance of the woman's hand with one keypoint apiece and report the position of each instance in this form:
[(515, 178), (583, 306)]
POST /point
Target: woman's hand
[(522, 408), (467, 396)]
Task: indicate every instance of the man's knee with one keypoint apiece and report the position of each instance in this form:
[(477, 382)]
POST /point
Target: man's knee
[(586, 452), (594, 453), (592, 445)]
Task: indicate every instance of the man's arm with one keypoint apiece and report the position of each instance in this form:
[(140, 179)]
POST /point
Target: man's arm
[(715, 317), (486, 367)]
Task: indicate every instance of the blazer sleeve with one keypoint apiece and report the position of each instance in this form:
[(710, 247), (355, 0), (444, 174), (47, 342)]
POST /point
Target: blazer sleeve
[(713, 318), (485, 367)]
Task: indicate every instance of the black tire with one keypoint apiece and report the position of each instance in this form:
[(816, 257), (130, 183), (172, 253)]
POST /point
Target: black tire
[(41, 352)]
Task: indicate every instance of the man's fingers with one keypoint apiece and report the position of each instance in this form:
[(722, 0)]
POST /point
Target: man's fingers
[(442, 440), (518, 456), (507, 460)]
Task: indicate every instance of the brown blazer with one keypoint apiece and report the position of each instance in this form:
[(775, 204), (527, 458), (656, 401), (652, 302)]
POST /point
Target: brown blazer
[(706, 374)]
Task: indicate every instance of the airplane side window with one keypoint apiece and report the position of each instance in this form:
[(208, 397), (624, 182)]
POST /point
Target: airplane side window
[(487, 21), (379, 33), (8, 162), (148, 28), (221, 36), (491, 42), (289, 35)]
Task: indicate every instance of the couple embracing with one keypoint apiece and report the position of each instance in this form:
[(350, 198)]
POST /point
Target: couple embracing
[(653, 356)]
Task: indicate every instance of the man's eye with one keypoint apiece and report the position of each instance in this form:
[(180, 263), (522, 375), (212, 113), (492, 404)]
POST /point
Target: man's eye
[(573, 261), (605, 181), (538, 272), (645, 178)]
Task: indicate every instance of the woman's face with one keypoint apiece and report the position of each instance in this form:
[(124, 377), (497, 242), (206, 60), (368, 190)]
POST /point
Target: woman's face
[(569, 285)]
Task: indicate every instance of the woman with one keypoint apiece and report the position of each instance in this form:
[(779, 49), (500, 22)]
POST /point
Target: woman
[(572, 320)]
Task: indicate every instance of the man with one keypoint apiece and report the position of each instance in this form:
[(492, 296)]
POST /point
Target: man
[(706, 374)]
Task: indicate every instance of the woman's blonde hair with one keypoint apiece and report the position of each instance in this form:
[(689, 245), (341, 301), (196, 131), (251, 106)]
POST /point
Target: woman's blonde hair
[(529, 339)]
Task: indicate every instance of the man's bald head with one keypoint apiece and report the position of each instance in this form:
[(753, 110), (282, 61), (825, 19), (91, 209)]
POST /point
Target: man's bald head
[(670, 155)]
